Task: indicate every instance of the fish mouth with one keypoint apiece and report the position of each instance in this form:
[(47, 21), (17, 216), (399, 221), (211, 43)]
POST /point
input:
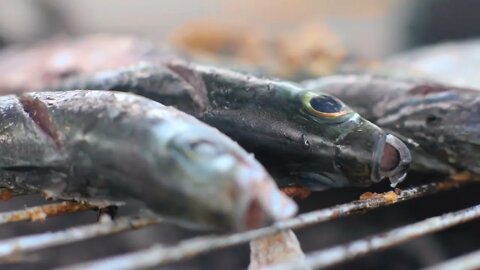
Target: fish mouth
[(368, 155), (263, 203), (392, 161), (266, 206)]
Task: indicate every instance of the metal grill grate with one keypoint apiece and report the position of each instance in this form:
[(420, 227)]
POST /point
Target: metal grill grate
[(159, 255)]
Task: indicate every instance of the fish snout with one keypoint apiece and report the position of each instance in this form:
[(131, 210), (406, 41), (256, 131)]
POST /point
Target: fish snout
[(263, 203), (395, 160)]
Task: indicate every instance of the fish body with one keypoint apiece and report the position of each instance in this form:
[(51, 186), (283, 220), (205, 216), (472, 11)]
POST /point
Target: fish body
[(108, 145), (444, 121)]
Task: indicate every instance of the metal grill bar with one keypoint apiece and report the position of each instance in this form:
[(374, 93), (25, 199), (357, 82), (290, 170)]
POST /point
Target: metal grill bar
[(135, 260), (21, 244), (343, 253), (470, 261), (158, 255), (44, 211)]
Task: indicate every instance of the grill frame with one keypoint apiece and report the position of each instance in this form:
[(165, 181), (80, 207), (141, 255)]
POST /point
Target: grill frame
[(160, 255)]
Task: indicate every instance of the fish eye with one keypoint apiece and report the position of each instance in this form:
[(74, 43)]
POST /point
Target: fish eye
[(205, 148), (324, 106), (196, 148)]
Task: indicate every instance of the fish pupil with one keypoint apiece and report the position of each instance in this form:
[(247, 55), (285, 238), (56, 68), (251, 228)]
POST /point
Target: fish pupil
[(326, 104)]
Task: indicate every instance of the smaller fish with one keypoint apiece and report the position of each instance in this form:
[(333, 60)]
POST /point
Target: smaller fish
[(443, 121), (95, 145)]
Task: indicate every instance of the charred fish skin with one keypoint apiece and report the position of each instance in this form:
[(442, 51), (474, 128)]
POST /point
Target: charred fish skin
[(443, 120), (98, 144), (302, 137)]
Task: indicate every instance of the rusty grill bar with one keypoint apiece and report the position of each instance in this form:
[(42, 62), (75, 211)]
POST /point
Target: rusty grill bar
[(161, 255), (44, 211), (37, 241)]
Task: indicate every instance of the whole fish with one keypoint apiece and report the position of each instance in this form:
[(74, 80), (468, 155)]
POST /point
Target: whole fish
[(106, 145), (444, 121), (302, 137)]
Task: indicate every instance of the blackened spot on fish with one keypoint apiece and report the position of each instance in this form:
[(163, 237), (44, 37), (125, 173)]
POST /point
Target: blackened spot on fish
[(198, 92), (38, 112), (110, 211), (432, 119), (427, 89)]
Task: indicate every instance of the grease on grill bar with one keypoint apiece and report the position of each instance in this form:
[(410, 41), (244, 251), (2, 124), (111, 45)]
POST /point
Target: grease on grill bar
[(41, 212), (160, 255)]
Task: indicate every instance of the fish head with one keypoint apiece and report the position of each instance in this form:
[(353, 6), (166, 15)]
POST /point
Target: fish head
[(226, 186), (357, 152)]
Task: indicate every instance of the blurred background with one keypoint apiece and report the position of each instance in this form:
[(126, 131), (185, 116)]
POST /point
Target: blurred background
[(370, 28), (245, 31)]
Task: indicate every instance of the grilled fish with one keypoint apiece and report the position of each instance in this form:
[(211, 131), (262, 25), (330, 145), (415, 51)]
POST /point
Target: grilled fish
[(105, 145)]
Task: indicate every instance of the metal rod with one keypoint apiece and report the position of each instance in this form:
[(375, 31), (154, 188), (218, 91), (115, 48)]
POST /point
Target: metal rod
[(470, 261), (144, 258), (21, 244), (41, 212), (158, 255), (342, 253)]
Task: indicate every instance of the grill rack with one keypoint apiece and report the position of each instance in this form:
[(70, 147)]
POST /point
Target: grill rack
[(160, 255)]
